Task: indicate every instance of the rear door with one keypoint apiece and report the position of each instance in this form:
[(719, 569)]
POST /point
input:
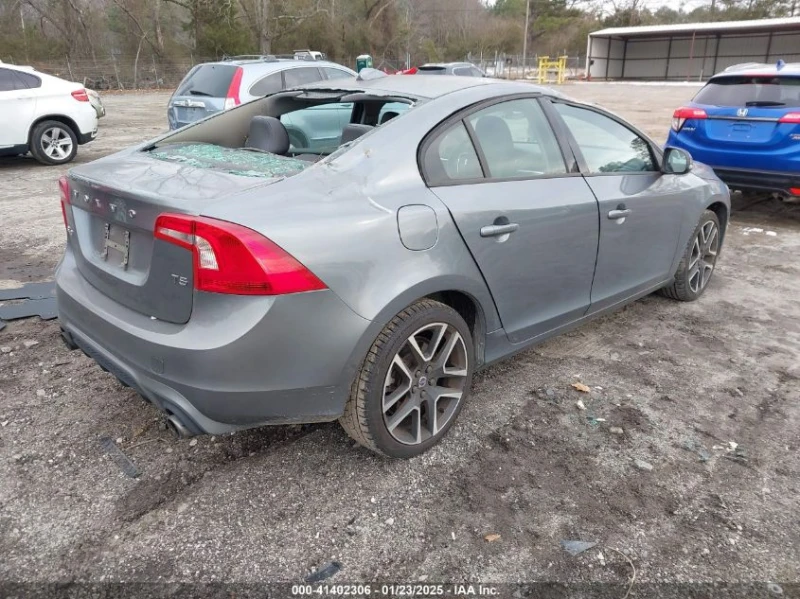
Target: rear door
[(17, 109), (641, 209), (529, 220), (753, 122), (201, 93)]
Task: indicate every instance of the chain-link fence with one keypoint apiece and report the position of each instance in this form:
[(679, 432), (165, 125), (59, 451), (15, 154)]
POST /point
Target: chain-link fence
[(123, 72), (119, 72), (513, 66)]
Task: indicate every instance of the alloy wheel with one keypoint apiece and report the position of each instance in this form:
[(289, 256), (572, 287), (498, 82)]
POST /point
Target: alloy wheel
[(56, 143), (703, 257), (425, 383)]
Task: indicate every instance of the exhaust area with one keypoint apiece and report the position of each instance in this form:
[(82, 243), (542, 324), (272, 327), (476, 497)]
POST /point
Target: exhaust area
[(177, 427)]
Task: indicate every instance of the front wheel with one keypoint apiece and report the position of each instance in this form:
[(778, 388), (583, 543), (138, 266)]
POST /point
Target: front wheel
[(413, 382), (699, 259), (53, 142)]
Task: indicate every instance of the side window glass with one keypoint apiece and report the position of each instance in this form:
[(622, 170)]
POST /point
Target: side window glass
[(462, 71), (606, 145), (517, 140), (331, 73), (268, 85), (7, 81), (27, 81), (391, 110), (451, 157), (476, 72), (301, 76)]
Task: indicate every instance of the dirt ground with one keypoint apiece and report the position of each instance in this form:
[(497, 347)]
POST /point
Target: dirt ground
[(705, 393)]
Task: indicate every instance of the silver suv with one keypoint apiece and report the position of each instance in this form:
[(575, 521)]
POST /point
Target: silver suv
[(214, 86)]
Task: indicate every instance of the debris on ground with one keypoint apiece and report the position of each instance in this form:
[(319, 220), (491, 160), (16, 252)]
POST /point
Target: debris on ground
[(615, 430), (642, 465), (491, 538), (580, 405), (39, 299), (328, 570), (123, 461), (577, 547), (581, 387)]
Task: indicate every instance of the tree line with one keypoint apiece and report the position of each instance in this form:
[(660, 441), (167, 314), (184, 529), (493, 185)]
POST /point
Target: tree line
[(423, 30)]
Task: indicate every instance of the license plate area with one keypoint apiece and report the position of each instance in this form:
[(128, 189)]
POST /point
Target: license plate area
[(116, 245)]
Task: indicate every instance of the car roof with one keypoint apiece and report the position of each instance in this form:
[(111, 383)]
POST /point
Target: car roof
[(446, 64), (418, 86), (269, 64), (757, 68)]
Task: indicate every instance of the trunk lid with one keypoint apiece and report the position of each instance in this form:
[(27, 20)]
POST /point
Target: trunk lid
[(114, 204)]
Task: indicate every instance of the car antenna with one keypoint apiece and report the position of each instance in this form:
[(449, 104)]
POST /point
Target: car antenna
[(781, 64)]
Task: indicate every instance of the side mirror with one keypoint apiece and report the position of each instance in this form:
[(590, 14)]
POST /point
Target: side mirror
[(676, 161)]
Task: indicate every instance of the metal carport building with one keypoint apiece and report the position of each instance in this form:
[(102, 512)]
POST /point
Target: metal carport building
[(689, 51)]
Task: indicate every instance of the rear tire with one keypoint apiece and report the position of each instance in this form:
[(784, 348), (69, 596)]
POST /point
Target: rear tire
[(698, 262), (53, 142), (413, 382)]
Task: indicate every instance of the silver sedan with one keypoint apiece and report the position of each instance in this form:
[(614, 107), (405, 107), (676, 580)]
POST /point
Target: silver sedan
[(236, 280)]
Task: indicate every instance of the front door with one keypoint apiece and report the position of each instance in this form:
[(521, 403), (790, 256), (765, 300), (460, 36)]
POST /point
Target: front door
[(641, 209), (530, 225)]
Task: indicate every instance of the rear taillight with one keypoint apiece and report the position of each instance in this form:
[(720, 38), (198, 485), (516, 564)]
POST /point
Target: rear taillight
[(232, 97), (792, 117), (683, 114), (795, 191), (80, 95), (63, 187), (229, 258)]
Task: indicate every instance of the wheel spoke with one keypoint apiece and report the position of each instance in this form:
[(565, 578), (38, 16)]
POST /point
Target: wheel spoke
[(696, 253), (396, 395), (403, 411), (431, 416), (712, 237)]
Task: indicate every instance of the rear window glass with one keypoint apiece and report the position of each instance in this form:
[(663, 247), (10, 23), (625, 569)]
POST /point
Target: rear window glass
[(432, 70), (236, 161), (744, 90), (212, 80)]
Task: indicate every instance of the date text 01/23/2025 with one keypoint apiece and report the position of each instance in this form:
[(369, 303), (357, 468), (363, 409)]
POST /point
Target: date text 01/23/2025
[(420, 591)]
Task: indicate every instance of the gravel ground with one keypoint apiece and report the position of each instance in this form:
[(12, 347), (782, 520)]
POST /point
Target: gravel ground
[(684, 464)]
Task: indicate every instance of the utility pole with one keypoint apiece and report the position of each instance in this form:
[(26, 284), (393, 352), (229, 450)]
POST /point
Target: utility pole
[(525, 36)]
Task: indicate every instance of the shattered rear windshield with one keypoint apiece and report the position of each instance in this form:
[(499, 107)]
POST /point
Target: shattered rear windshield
[(235, 161)]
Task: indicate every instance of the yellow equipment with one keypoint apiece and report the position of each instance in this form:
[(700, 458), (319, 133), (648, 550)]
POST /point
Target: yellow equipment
[(548, 68)]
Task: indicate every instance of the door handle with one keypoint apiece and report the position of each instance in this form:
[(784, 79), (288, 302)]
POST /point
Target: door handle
[(495, 230), (617, 214)]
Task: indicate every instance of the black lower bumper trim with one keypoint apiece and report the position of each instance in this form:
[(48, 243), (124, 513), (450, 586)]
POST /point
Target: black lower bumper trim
[(763, 180)]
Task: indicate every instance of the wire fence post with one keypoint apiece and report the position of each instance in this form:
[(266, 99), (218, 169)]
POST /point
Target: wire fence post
[(155, 73), (116, 72)]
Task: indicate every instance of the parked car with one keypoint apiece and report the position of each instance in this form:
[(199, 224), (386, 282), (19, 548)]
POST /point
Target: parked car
[(745, 123), (44, 115), (235, 282), (464, 69), (214, 86)]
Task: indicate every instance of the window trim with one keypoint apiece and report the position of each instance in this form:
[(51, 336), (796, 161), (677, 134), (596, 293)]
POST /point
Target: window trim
[(655, 149), (462, 115)]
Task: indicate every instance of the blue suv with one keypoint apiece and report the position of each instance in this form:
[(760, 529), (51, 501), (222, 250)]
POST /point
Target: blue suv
[(745, 123)]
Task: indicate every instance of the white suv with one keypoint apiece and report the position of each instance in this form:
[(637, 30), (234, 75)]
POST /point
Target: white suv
[(44, 115)]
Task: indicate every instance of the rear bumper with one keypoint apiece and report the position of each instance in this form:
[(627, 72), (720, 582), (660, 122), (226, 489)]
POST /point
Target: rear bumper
[(240, 362), (762, 180)]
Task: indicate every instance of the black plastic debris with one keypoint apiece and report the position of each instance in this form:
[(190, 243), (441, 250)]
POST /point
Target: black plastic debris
[(39, 299), (124, 462), (324, 572)]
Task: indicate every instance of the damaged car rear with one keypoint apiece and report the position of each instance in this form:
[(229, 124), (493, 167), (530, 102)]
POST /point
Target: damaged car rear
[(354, 249)]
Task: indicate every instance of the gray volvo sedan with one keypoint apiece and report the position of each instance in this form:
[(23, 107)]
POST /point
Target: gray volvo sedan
[(235, 280)]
